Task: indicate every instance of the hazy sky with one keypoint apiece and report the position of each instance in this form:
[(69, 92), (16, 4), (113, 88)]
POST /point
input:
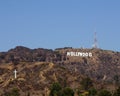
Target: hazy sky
[(59, 23)]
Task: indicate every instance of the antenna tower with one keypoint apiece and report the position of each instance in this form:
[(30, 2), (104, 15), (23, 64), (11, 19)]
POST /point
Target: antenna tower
[(95, 45)]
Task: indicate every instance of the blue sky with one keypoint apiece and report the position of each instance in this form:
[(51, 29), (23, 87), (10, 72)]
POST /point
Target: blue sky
[(59, 23)]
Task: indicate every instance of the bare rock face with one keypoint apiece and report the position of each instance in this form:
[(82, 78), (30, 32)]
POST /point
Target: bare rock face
[(38, 68)]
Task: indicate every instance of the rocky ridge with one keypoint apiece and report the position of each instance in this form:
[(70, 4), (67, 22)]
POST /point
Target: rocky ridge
[(38, 68)]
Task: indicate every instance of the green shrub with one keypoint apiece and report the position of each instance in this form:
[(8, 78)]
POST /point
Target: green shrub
[(67, 92), (104, 93), (92, 92), (55, 89), (86, 83)]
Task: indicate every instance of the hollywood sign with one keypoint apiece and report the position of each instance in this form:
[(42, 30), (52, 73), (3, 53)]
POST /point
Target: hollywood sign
[(81, 54)]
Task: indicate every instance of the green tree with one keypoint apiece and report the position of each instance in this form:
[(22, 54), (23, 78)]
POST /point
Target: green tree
[(67, 92), (55, 89), (92, 92), (104, 93), (86, 83)]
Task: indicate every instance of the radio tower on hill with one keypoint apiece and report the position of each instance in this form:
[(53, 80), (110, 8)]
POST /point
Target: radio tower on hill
[(95, 44)]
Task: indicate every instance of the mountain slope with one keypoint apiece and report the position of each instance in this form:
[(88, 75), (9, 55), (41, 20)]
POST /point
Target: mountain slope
[(38, 68)]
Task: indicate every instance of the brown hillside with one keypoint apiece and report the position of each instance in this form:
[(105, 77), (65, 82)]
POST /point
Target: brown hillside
[(38, 68)]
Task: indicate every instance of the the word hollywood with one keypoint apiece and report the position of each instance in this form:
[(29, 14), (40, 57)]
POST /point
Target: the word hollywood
[(81, 54)]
